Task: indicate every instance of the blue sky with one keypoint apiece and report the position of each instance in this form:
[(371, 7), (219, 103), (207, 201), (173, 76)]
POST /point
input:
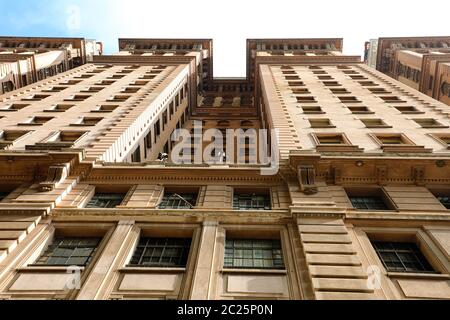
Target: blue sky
[(229, 22)]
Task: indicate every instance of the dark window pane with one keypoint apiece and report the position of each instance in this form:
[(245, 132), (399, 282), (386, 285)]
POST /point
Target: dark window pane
[(402, 257), (178, 201), (445, 201), (106, 200), (248, 254), (69, 252), (251, 202), (161, 252), (368, 203)]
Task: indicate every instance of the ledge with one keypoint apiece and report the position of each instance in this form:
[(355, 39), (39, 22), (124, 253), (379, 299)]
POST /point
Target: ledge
[(254, 271), (136, 269), (36, 268), (425, 276)]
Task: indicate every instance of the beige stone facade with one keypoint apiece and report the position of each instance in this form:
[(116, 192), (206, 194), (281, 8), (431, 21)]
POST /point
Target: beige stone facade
[(423, 63), (357, 210), (26, 60)]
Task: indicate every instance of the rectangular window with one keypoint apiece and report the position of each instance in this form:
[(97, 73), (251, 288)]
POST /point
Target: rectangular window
[(253, 254), (392, 139), (408, 110), (334, 139), (251, 201), (368, 203), (360, 110), (321, 123), (402, 257), (429, 123), (69, 252), (106, 200), (105, 108), (14, 107), (161, 252), (59, 108), (349, 99), (36, 121), (136, 156), (375, 123), (173, 200), (445, 200), (392, 99), (3, 195), (312, 110), (87, 122)]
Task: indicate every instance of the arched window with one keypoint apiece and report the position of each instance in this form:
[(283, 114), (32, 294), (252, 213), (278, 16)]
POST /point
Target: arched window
[(223, 123), (445, 89), (246, 123)]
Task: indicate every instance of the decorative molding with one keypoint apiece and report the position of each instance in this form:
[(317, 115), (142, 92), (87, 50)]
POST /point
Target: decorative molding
[(55, 175)]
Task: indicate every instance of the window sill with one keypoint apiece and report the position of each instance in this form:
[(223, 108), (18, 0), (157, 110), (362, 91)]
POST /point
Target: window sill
[(151, 270), (38, 268), (255, 271), (427, 276)]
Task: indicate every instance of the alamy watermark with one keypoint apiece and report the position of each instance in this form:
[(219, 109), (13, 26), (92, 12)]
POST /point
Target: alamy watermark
[(227, 146)]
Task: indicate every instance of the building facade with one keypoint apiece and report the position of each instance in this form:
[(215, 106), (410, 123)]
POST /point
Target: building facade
[(422, 63), (351, 202), (25, 60)]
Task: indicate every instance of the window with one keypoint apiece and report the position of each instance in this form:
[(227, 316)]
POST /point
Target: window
[(429, 123), (59, 108), (174, 200), (331, 83), (325, 138), (312, 110), (443, 138), (36, 97), (105, 108), (321, 123), (360, 110), (253, 254), (105, 82), (378, 91), (36, 121), (119, 98), (306, 99), (92, 89), (8, 138), (87, 121), (392, 99), (136, 156), (375, 123), (296, 84), (130, 90), (55, 89), (106, 200), (3, 195), (408, 110), (445, 89), (161, 252), (392, 139), (445, 200), (368, 203), (300, 91), (339, 91), (77, 97), (402, 257), (349, 99), (69, 252), (368, 83), (251, 201), (13, 107)]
